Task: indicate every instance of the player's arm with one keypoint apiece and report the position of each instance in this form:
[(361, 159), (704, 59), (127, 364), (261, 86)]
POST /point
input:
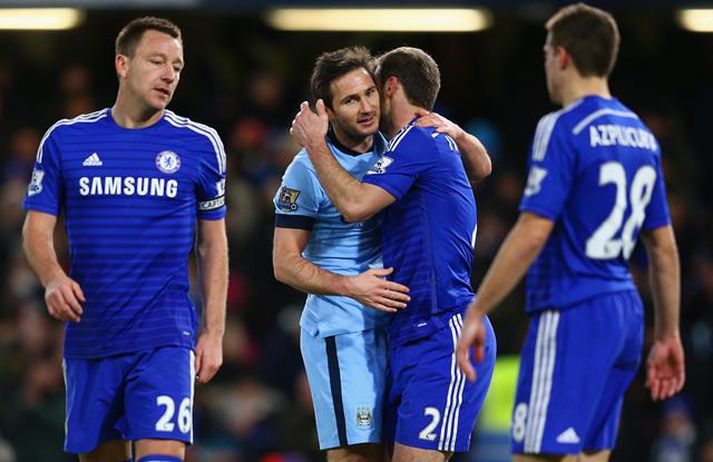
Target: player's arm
[(63, 295), (368, 288), (515, 256), (212, 256), (665, 366), (475, 157), (356, 201)]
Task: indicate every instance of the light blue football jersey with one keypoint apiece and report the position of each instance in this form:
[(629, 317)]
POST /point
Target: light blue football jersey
[(130, 200), (334, 245), (595, 170)]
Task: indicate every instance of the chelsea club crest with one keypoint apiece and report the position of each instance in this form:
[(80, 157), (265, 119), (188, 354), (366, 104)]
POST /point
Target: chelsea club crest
[(168, 161)]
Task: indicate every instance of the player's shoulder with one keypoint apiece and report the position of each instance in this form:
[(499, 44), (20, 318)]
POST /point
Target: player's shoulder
[(80, 122), (187, 127), (410, 137), (300, 165), (593, 108), (562, 119)]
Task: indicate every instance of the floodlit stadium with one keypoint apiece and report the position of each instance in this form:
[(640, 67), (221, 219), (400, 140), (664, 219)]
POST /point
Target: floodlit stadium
[(247, 69)]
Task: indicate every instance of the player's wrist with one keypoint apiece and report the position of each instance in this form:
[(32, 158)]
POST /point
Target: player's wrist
[(53, 278), (662, 334), (345, 286), (215, 332)]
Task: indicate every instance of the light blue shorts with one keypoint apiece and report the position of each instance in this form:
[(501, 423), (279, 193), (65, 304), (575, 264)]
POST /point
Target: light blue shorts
[(347, 375)]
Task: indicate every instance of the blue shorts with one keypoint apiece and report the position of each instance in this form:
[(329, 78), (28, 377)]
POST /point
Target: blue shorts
[(148, 394), (431, 404), (347, 375), (576, 365)]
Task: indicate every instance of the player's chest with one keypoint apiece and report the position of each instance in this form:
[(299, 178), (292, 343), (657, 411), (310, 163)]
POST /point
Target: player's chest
[(129, 169)]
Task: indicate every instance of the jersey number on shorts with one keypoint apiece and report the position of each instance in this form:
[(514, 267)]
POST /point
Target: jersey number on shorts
[(602, 245), (427, 433), (164, 424), (519, 421)]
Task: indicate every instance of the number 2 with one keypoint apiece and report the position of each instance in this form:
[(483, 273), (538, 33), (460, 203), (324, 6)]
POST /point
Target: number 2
[(602, 244), (427, 433)]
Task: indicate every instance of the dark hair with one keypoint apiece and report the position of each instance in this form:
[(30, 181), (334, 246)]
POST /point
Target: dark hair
[(131, 34), (334, 64), (417, 72), (589, 35)]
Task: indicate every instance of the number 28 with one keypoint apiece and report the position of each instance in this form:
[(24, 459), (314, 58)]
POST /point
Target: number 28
[(602, 244)]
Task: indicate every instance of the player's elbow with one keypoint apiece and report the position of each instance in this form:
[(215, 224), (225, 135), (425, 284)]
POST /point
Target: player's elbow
[(280, 268), (355, 213), (484, 170)]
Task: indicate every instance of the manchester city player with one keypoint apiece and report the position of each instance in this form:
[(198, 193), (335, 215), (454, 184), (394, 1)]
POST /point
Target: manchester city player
[(343, 339), (343, 343), (595, 185), (132, 181), (429, 226)]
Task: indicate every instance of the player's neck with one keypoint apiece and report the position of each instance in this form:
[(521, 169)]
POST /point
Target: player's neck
[(585, 86), (128, 115), (356, 144), (402, 112)]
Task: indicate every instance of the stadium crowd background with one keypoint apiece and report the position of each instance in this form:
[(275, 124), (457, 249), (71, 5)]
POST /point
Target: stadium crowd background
[(247, 80)]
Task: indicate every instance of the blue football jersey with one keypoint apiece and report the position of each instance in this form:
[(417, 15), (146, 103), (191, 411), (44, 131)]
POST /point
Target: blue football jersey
[(429, 232), (595, 170), (130, 199), (334, 245)]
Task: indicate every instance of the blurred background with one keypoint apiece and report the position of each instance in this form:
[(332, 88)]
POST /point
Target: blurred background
[(246, 73)]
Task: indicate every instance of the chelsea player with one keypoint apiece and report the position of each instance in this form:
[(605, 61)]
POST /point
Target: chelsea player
[(429, 224), (132, 181), (595, 185)]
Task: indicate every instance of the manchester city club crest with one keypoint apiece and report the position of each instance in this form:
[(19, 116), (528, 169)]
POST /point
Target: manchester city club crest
[(168, 161), (364, 418)]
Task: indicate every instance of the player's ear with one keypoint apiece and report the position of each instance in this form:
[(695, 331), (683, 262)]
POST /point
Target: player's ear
[(563, 57), (391, 85), (121, 65)]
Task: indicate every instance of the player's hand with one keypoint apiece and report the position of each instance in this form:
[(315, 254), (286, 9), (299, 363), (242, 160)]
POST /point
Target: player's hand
[(309, 128), (64, 297), (472, 335), (209, 356), (371, 289), (442, 125), (665, 368)]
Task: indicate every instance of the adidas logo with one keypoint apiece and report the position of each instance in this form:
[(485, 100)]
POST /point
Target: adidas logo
[(92, 161), (568, 436)]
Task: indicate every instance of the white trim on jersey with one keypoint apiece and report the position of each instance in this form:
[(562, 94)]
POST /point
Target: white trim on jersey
[(451, 143), (84, 118), (601, 112), (208, 132), (454, 399), (543, 134), (399, 136), (544, 129), (545, 355)]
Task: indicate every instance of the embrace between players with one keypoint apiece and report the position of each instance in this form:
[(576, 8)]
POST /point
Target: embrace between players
[(379, 228)]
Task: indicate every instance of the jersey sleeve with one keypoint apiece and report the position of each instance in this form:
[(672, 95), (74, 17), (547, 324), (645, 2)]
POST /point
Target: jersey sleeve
[(407, 158), (211, 187), (550, 170), (45, 192), (298, 199), (657, 214)]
